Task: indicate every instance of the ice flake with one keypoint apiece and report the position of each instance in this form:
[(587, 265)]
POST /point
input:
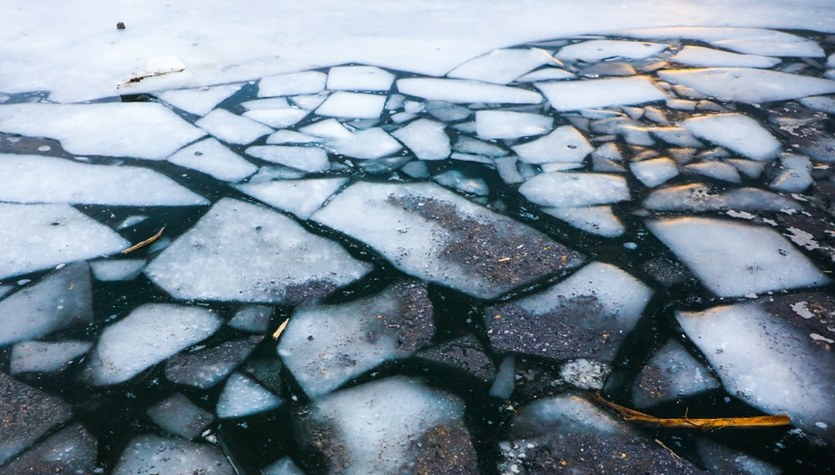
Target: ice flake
[(365, 144), (246, 253), (501, 66), (460, 90), (565, 144), (180, 416), (38, 179), (308, 82), (117, 129), (753, 86), (558, 189), (232, 128), (210, 157), (426, 139), (39, 237), (498, 124), (736, 132), (597, 50), (277, 118), (593, 93), (243, 397), (45, 357), (352, 105), (309, 159), (199, 101), (741, 40), (704, 57), (148, 335), (359, 78), (117, 270), (733, 259), (152, 454), (592, 219), (300, 197)]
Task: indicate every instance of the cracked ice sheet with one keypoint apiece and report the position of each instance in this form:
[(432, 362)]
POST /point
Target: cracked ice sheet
[(741, 40), (38, 237), (501, 66), (594, 93), (753, 86), (246, 253), (422, 229), (733, 259), (118, 129), (36, 179)]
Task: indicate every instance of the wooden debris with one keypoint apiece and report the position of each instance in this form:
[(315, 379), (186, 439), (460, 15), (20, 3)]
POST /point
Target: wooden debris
[(280, 329), (144, 243), (688, 423)]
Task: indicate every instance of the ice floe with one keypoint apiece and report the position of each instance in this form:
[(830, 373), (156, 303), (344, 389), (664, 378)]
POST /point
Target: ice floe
[(326, 346), (422, 229), (365, 145), (697, 197), (459, 90), (501, 66), (300, 197), (704, 57), (753, 86), (116, 129), (232, 128), (794, 176), (308, 82), (252, 318), (247, 253), (149, 334), (37, 179), (206, 367), (592, 93), (179, 416), (243, 397), (277, 118), (655, 171), (736, 132), (152, 454), (598, 50), (309, 159), (426, 139), (557, 189), (359, 78), (352, 105), (45, 357), (565, 144), (493, 124), (210, 157), (734, 259), (742, 40), (72, 450), (598, 220), (671, 373), (199, 101)]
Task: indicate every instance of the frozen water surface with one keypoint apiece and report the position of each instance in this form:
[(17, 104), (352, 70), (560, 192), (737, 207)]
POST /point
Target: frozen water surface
[(655, 171), (598, 50), (309, 82), (453, 90), (359, 78), (699, 56), (753, 86), (199, 101), (501, 66), (593, 219), (741, 40), (277, 118), (574, 95), (180, 416)]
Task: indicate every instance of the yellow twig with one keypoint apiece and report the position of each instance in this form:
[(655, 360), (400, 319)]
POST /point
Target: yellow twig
[(144, 243), (280, 329)]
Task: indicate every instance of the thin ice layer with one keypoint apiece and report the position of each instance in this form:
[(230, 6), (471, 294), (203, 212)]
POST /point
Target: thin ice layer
[(199, 101), (424, 231), (754, 86), (39, 237), (352, 105), (565, 144), (704, 57), (246, 253), (736, 132), (149, 334), (593, 93), (359, 78), (277, 118), (37, 179), (152, 454), (308, 82), (741, 40), (733, 259), (300, 197), (557, 189), (501, 66), (597, 50), (463, 91), (210, 157), (117, 129), (117, 269)]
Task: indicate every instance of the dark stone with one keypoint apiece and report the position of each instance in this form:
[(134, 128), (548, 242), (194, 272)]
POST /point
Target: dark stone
[(73, 450), (205, 368), (465, 354)]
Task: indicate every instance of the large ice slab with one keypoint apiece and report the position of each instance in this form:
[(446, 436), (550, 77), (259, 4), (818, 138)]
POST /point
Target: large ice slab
[(597, 50), (573, 95), (152, 454), (565, 144), (199, 101), (426, 139), (736, 132), (38, 237), (353, 430), (232, 128), (460, 90), (116, 129), (212, 158), (242, 397), (359, 78), (45, 357), (704, 57), (557, 189), (149, 334), (425, 231), (72, 450), (326, 346), (37, 179), (733, 259), (499, 124), (179, 416), (587, 315), (501, 66), (300, 197), (63, 299), (768, 359), (753, 86), (247, 253), (741, 40), (308, 82)]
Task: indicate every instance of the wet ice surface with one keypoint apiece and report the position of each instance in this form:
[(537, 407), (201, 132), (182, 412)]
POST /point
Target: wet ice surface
[(366, 270)]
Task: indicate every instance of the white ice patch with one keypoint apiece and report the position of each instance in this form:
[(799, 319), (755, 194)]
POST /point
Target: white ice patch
[(820, 103), (705, 57), (597, 50), (359, 78), (148, 335), (716, 170), (117, 270), (365, 144), (309, 159), (426, 139), (37, 179), (741, 40), (753, 86), (277, 118), (497, 124), (559, 190), (795, 174), (300, 197), (671, 373), (243, 397), (352, 105), (308, 82), (291, 137), (594, 93), (327, 129), (199, 101), (598, 220), (501, 66), (464, 91), (546, 74), (45, 357), (736, 132), (117, 129), (38, 237), (734, 259), (210, 157), (655, 171), (232, 128), (767, 362), (565, 144), (247, 253), (152, 454)]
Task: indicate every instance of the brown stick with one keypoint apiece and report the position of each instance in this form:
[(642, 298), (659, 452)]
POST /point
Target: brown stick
[(688, 423), (144, 243)]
